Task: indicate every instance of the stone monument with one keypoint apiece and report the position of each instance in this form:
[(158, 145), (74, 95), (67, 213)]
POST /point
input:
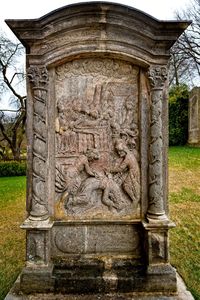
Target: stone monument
[(97, 127), (194, 117)]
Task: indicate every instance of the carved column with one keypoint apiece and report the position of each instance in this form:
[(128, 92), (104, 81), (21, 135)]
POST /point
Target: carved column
[(156, 227), (157, 77), (37, 275), (38, 78)]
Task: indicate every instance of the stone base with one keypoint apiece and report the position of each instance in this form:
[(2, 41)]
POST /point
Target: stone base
[(123, 277), (95, 276), (38, 279), (194, 144), (182, 294)]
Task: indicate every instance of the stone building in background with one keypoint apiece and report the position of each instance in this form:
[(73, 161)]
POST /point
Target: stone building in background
[(194, 117)]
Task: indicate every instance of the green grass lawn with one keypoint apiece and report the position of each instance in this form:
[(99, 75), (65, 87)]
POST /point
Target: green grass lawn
[(184, 199), (12, 238), (184, 177)]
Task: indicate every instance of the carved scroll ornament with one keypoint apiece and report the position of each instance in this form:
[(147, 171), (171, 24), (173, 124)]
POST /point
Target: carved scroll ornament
[(157, 76)]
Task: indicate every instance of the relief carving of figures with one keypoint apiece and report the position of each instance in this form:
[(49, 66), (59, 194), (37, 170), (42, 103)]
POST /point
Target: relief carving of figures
[(77, 194), (71, 181), (128, 169), (94, 110), (111, 195), (38, 78)]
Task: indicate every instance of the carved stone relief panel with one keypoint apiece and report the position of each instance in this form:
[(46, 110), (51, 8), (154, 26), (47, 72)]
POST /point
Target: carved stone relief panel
[(97, 140)]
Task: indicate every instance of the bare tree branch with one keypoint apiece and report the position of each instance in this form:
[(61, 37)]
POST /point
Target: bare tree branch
[(12, 127), (185, 54)]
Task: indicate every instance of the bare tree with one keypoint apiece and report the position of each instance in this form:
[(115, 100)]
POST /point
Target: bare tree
[(12, 120), (185, 54)]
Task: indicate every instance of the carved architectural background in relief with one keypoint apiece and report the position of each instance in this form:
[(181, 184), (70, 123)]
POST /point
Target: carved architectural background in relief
[(97, 169), (38, 77)]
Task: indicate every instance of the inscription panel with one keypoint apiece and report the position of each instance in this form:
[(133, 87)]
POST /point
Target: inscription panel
[(96, 239), (97, 146)]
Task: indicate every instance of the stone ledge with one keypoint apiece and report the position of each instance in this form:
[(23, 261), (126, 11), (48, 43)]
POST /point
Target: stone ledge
[(183, 294)]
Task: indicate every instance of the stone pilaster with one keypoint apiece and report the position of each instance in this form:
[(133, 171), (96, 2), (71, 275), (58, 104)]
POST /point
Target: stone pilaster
[(156, 242), (37, 274), (38, 78), (157, 77)]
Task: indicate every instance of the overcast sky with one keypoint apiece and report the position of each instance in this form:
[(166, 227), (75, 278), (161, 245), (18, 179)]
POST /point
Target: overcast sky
[(26, 9)]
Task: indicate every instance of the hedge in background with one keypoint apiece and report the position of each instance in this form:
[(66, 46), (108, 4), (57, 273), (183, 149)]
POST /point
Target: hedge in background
[(178, 115), (12, 168)]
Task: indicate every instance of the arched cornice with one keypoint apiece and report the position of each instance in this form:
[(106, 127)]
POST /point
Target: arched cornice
[(98, 27)]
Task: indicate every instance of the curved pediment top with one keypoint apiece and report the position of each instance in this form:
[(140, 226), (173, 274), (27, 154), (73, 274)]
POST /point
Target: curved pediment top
[(94, 27), (96, 5), (93, 13)]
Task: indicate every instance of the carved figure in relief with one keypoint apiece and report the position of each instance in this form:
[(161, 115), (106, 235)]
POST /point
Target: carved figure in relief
[(66, 137), (68, 184), (72, 180), (128, 170), (121, 122), (128, 112), (111, 193)]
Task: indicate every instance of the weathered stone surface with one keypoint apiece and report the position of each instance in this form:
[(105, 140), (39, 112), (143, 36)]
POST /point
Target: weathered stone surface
[(96, 239), (93, 121), (97, 160), (38, 279), (194, 117), (182, 294)]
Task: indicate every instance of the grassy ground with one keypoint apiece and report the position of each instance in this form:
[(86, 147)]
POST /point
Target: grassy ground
[(12, 238), (184, 177), (184, 196)]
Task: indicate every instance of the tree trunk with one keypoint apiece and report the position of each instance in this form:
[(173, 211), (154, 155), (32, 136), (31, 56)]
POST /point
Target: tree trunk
[(16, 154)]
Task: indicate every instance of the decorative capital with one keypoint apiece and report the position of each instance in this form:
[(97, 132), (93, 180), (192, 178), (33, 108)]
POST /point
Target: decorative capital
[(38, 76), (157, 76)]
